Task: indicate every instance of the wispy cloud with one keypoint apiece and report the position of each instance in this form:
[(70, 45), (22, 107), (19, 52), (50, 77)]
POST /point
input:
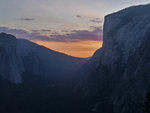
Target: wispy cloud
[(41, 31), (78, 35), (19, 33), (90, 19), (96, 20), (74, 36), (78, 16), (27, 19)]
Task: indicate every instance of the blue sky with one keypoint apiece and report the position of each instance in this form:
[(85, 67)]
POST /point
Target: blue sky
[(59, 20)]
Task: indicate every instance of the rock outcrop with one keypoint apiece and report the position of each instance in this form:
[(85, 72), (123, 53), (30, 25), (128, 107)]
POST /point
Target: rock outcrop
[(118, 74), (11, 66)]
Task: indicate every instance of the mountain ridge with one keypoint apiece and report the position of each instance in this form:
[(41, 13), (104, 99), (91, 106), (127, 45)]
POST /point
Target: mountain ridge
[(38, 59)]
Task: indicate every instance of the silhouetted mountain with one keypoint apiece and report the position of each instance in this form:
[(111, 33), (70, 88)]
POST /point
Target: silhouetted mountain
[(39, 60), (19, 55), (35, 79), (118, 75)]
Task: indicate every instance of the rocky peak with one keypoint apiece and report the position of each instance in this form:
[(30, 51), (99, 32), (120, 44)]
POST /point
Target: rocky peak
[(11, 67), (118, 74), (124, 31)]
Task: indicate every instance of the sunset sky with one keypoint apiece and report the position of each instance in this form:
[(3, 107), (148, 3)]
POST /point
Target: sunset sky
[(73, 27)]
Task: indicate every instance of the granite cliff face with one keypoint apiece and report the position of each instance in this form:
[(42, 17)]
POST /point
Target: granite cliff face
[(11, 66), (118, 74)]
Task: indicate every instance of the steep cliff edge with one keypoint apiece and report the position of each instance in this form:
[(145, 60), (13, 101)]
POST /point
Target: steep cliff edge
[(11, 66), (119, 73)]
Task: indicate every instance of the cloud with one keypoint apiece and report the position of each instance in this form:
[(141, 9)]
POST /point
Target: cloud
[(74, 36), (17, 32), (27, 19), (42, 31), (90, 19), (77, 35), (65, 31), (96, 20), (78, 16), (46, 30), (20, 33)]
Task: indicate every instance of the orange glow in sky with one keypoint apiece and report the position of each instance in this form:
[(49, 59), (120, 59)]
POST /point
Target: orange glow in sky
[(78, 49)]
